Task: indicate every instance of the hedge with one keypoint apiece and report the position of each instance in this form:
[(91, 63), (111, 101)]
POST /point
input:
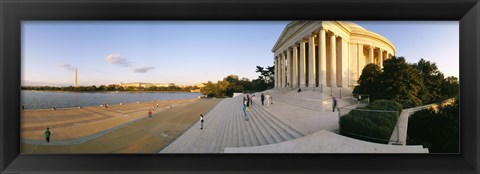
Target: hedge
[(369, 125)]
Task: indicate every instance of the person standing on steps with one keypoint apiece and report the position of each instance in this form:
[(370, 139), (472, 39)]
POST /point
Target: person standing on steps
[(244, 107), (247, 109), (47, 135), (244, 99), (262, 98), (334, 105), (201, 121)]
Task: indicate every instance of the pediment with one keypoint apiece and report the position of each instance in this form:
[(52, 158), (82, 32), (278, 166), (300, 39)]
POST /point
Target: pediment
[(289, 31)]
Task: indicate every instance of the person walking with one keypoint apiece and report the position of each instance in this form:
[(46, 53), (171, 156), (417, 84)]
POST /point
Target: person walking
[(267, 97), (253, 99), (201, 121), (262, 98), (244, 99), (334, 105), (271, 100), (247, 109), (150, 113), (47, 135)]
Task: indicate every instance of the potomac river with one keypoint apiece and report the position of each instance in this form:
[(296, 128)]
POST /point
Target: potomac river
[(47, 99)]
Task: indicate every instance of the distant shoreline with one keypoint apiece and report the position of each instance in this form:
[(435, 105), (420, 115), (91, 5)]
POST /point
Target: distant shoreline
[(104, 91)]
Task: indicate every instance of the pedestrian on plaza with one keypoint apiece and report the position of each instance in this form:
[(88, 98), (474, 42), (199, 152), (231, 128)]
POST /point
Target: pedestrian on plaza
[(253, 99), (150, 113), (201, 121), (47, 135), (247, 109), (262, 98), (334, 105), (299, 90), (267, 97), (244, 99), (271, 100)]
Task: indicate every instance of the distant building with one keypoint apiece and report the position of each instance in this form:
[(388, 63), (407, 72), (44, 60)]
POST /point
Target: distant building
[(200, 85), (145, 85)]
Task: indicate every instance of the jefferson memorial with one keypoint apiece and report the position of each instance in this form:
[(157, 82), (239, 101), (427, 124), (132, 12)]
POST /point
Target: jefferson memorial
[(323, 55)]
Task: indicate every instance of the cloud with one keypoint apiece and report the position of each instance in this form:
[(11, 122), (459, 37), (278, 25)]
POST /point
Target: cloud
[(67, 67), (118, 60), (143, 69)]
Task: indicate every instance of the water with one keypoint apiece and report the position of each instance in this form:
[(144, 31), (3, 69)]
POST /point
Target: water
[(47, 100)]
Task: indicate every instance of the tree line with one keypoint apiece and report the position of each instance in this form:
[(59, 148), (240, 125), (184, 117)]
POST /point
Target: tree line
[(94, 88), (232, 84)]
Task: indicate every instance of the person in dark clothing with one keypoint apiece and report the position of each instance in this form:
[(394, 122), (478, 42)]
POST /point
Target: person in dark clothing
[(201, 121), (47, 135), (334, 105), (262, 98), (299, 90)]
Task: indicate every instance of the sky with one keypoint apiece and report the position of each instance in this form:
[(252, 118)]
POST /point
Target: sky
[(189, 52)]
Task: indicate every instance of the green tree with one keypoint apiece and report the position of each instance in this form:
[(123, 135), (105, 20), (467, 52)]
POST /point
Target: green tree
[(370, 82), (402, 82), (450, 87), (432, 80)]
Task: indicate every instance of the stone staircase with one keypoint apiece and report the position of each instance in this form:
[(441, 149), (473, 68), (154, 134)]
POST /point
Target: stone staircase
[(226, 126)]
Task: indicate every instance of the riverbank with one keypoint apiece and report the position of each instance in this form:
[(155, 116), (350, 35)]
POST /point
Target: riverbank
[(144, 135)]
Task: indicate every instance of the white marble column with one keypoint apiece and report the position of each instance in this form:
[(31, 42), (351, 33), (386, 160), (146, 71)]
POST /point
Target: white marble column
[(360, 61), (322, 49), (290, 68), (371, 55), (295, 65), (380, 58), (333, 53), (277, 72), (301, 72), (284, 74), (311, 61)]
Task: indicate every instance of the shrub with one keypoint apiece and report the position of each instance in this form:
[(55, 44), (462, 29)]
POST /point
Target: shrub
[(371, 125), (438, 131)]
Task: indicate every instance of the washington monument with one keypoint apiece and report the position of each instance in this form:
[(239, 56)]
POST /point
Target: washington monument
[(76, 78)]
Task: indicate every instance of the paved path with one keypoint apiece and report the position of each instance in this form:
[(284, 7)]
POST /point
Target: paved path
[(145, 135), (73, 123), (327, 142)]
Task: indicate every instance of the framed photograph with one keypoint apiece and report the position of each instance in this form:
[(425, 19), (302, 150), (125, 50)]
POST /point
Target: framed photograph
[(244, 86)]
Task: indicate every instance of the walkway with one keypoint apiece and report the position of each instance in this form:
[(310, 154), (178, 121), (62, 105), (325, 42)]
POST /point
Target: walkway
[(74, 123), (145, 135), (327, 142)]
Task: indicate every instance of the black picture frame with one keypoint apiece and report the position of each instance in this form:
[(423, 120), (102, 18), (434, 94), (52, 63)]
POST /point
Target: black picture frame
[(14, 11)]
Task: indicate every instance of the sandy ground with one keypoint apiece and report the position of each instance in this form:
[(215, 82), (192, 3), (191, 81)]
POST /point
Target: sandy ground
[(134, 133)]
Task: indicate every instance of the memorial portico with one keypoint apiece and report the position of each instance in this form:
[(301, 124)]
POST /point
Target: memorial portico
[(326, 54)]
